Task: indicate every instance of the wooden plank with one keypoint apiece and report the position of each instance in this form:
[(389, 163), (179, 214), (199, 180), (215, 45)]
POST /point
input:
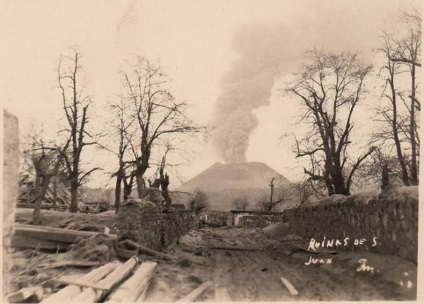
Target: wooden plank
[(149, 251), (192, 296), (289, 286), (71, 264), (67, 281), (23, 242), (69, 292), (53, 234), (25, 293), (135, 286), (91, 295)]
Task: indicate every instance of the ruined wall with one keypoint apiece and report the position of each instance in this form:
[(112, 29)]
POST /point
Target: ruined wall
[(143, 222), (391, 217), (215, 219), (10, 189), (256, 220)]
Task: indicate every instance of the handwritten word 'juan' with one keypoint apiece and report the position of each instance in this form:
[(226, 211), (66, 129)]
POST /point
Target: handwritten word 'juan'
[(318, 261), (330, 243)]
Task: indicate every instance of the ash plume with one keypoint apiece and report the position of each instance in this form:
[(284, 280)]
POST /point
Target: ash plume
[(268, 52), (246, 87)]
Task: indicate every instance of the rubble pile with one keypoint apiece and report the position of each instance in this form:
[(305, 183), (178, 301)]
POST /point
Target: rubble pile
[(99, 248)]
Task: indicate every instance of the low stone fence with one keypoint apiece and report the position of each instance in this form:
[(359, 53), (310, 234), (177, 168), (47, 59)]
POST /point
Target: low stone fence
[(384, 223), (254, 219), (143, 222), (214, 219)]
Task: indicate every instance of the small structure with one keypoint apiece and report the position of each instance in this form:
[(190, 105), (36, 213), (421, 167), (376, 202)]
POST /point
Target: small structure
[(254, 218)]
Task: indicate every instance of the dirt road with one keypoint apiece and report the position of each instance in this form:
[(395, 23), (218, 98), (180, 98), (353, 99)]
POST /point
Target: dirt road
[(246, 265)]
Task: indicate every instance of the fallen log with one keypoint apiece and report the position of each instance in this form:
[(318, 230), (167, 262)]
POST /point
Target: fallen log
[(192, 296), (91, 295), (19, 296), (147, 250), (289, 286), (71, 291), (53, 234), (134, 287)]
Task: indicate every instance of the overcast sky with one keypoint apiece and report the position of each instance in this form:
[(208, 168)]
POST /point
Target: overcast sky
[(194, 43)]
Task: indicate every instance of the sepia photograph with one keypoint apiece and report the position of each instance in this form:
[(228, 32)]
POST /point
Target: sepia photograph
[(210, 151)]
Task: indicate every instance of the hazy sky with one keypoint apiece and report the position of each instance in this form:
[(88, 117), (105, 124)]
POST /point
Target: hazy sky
[(194, 43)]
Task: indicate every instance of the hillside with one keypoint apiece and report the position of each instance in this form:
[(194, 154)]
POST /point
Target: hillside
[(225, 182)]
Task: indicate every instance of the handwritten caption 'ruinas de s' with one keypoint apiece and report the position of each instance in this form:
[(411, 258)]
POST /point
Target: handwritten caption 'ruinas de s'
[(337, 243)]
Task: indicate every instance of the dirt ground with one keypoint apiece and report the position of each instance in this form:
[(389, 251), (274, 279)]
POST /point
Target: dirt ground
[(254, 274), (243, 265)]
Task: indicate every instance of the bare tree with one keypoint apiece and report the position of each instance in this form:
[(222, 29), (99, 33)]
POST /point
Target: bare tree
[(199, 202), (241, 203), (330, 87), (46, 163), (75, 106), (122, 130), (155, 111), (402, 52), (305, 191), (268, 205)]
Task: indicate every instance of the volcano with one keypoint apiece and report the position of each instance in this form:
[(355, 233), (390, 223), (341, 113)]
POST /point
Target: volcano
[(223, 183)]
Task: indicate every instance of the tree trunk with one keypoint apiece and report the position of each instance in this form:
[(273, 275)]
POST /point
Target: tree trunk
[(41, 191), (140, 185), (74, 198), (118, 192), (394, 122), (414, 170), (164, 183)]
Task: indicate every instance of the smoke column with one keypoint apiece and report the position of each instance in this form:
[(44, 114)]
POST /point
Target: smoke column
[(267, 52), (247, 86)]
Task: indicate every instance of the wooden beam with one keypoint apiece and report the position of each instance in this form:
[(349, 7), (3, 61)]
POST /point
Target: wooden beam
[(149, 251), (19, 241), (131, 290), (91, 295), (290, 287), (192, 296), (71, 264), (53, 234), (25, 293), (62, 280), (69, 292)]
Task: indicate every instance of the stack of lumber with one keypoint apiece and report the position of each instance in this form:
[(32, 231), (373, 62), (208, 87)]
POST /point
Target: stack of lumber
[(48, 238), (114, 282)]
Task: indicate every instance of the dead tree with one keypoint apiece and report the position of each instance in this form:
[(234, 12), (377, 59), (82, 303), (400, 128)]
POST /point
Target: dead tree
[(330, 87), (268, 205), (399, 129), (46, 163), (155, 110), (122, 124), (75, 107)]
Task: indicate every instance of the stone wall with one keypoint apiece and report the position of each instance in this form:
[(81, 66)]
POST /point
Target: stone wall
[(255, 219), (143, 222), (389, 218), (215, 219)]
